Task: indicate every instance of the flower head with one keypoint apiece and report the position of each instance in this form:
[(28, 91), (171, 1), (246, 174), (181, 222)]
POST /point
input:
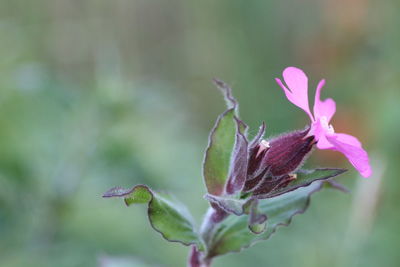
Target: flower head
[(323, 111), (272, 163)]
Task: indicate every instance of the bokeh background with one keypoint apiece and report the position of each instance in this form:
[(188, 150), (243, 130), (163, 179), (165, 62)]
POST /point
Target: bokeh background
[(96, 94)]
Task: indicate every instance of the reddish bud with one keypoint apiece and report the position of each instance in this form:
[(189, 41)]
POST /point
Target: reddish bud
[(271, 163), (288, 152)]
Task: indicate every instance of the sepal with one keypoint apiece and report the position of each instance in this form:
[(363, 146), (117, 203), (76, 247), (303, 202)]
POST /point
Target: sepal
[(239, 161), (303, 178)]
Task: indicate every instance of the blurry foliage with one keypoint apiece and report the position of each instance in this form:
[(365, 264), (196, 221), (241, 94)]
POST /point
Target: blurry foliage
[(101, 93)]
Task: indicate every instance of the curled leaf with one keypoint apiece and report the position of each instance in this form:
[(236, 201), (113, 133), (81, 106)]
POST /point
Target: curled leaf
[(168, 217), (233, 233), (226, 90)]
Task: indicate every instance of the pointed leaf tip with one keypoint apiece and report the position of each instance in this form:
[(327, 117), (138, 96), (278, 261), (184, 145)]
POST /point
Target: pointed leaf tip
[(226, 90), (116, 192), (336, 185), (304, 178), (257, 139)]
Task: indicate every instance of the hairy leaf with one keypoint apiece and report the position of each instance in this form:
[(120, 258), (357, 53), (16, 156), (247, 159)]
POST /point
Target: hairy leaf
[(233, 234), (218, 154), (304, 178), (168, 217), (221, 142)]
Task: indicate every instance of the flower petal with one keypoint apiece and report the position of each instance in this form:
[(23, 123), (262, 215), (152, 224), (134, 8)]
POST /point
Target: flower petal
[(319, 133), (297, 93), (352, 149), (323, 143), (325, 108)]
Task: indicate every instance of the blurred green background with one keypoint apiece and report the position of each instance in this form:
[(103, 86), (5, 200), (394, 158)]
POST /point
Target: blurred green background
[(96, 94)]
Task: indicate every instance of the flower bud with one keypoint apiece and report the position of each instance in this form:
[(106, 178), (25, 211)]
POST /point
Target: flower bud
[(271, 163), (287, 152), (256, 169)]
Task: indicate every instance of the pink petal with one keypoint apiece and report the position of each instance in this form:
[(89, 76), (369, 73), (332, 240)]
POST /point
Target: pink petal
[(319, 133), (323, 143), (352, 149), (297, 82), (325, 108)]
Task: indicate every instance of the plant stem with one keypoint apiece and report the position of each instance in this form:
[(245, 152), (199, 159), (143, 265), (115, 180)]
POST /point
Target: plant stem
[(213, 217), (197, 259)]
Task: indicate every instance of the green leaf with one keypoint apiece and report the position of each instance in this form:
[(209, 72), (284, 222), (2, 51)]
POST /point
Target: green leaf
[(305, 178), (227, 151), (167, 216), (218, 154), (233, 234)]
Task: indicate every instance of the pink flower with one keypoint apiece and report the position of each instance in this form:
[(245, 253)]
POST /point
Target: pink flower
[(326, 138)]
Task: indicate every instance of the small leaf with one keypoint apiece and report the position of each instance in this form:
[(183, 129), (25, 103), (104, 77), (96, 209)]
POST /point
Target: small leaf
[(168, 217), (233, 233), (304, 178), (218, 154), (220, 145)]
